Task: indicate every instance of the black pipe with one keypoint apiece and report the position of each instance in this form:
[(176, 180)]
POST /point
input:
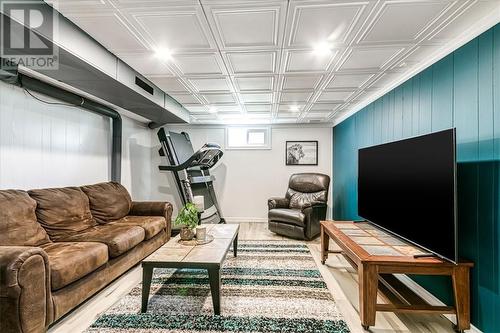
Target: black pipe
[(71, 98)]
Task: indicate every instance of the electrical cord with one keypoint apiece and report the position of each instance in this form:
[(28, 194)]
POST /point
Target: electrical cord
[(52, 103)]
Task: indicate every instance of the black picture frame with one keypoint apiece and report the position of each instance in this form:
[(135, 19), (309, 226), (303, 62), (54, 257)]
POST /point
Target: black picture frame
[(311, 147)]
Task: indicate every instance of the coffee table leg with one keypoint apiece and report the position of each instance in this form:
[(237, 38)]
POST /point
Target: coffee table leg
[(215, 285), (235, 245), (147, 275)]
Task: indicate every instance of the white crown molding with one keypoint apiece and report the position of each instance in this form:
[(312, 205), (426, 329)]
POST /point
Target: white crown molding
[(487, 23)]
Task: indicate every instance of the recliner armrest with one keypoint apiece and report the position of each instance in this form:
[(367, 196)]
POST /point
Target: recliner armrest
[(153, 208), (314, 204), (25, 295), (314, 214), (278, 203)]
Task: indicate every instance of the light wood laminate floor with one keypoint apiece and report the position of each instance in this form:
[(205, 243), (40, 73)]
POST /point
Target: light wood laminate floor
[(339, 276)]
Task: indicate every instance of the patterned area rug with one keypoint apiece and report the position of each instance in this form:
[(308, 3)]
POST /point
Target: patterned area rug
[(270, 287)]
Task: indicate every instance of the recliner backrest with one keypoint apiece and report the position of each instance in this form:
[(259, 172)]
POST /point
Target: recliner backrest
[(307, 189)]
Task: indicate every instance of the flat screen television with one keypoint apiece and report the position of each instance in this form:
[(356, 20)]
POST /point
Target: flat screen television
[(408, 188)]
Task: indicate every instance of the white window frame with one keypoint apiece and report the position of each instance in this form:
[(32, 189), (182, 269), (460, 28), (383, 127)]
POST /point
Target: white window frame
[(267, 138)]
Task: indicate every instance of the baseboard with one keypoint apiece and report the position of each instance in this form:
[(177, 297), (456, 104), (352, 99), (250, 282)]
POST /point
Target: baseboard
[(245, 219), (430, 298)]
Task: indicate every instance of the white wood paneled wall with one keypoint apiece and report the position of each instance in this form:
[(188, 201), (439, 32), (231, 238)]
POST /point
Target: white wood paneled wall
[(245, 179), (44, 145)]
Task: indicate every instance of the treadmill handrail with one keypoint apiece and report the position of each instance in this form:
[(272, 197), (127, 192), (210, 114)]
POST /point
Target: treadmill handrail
[(197, 157)]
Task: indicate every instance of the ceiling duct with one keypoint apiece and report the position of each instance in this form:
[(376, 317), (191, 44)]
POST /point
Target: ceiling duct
[(87, 66)]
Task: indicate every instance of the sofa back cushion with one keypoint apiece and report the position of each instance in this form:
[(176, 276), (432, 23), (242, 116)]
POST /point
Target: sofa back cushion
[(62, 211), (18, 224), (108, 201)]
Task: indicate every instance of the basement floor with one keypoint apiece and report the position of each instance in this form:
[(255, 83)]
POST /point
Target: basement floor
[(340, 277)]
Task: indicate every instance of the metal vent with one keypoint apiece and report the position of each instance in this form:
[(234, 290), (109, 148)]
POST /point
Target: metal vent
[(146, 87)]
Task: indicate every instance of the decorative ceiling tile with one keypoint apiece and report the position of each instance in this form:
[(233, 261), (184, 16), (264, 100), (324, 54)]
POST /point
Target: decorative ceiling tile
[(111, 31), (258, 107), (296, 97), (325, 106), (169, 84), (413, 16), (220, 98), (146, 64), (256, 98), (247, 28), (348, 80), (308, 61), (185, 98), (254, 83), (197, 64), (211, 84), (327, 22), (335, 96), (176, 31), (294, 82), (370, 58), (251, 62)]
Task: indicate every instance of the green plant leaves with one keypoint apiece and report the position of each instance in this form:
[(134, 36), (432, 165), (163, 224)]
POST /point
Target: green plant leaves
[(188, 216)]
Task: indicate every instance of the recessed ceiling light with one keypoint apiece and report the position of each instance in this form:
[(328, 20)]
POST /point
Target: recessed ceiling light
[(293, 108), (323, 48), (163, 53), (212, 109)]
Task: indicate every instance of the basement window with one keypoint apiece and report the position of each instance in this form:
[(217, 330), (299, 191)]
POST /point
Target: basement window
[(248, 138)]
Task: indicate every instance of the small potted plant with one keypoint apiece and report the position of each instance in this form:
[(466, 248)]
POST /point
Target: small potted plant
[(188, 219)]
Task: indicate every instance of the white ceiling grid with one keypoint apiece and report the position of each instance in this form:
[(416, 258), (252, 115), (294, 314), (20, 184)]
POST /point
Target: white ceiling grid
[(258, 60)]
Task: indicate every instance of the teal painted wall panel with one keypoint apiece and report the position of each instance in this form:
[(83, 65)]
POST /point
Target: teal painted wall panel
[(407, 108), (398, 113), (442, 94), (463, 91)]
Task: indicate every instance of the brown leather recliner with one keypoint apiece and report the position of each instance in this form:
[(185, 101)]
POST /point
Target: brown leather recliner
[(298, 214)]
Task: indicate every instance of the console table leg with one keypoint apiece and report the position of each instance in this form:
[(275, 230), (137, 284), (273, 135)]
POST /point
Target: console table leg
[(215, 286), (461, 292), (147, 275), (325, 243), (368, 285)]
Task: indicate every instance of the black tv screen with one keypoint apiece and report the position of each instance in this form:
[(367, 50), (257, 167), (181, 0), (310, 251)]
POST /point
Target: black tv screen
[(408, 187)]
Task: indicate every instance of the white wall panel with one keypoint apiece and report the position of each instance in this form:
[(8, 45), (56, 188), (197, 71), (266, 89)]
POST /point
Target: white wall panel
[(45, 145), (246, 178)]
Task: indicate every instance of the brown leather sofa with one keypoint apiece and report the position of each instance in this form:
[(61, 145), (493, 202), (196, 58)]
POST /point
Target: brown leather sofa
[(60, 246), (298, 214)]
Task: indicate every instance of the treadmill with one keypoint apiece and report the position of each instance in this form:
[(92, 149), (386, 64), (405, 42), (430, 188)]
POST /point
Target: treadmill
[(191, 170)]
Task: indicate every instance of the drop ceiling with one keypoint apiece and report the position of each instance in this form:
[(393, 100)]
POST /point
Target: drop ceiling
[(294, 61)]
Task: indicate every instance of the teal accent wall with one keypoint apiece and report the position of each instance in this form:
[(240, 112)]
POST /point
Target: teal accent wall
[(463, 91)]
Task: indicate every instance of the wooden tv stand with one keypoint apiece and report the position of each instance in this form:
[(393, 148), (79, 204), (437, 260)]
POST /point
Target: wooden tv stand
[(377, 255)]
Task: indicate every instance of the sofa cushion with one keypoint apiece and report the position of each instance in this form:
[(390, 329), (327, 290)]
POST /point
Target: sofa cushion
[(108, 201), (118, 238), (70, 262), (18, 224), (291, 216), (62, 211), (152, 225)]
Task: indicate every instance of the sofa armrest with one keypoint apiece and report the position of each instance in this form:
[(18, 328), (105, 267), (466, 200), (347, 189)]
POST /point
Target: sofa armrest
[(278, 203), (25, 296), (153, 208)]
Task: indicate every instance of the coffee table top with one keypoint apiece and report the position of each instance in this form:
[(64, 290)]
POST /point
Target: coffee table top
[(211, 253)]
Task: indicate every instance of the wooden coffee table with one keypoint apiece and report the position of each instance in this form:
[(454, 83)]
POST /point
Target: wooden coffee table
[(209, 256)]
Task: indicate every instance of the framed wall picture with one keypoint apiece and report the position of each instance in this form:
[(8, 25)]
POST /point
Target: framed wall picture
[(301, 153)]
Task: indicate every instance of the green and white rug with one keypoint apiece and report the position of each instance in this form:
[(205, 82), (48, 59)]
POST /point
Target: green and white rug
[(270, 287)]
